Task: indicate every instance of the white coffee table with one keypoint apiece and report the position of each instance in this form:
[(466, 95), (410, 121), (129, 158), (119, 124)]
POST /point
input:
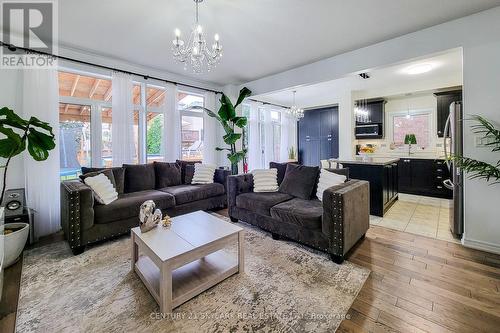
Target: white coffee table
[(182, 261)]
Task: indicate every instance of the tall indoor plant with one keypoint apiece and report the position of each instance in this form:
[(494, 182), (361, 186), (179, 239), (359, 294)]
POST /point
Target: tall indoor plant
[(20, 134), (479, 169), (229, 120)]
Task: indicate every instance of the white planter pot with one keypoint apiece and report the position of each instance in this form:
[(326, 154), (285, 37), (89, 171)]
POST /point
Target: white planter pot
[(14, 242)]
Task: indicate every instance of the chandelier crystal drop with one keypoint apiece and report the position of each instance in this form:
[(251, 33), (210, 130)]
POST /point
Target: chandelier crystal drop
[(294, 110), (196, 53)]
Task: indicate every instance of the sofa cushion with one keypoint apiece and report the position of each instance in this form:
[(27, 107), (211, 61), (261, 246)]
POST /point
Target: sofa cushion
[(261, 203), (281, 169), (127, 205), (167, 174), (139, 177), (299, 181), (183, 165), (107, 172), (189, 193), (118, 174), (303, 213)]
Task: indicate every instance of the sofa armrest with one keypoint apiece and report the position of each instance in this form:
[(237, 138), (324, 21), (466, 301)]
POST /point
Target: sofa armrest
[(220, 177), (346, 214), (236, 185), (77, 210)]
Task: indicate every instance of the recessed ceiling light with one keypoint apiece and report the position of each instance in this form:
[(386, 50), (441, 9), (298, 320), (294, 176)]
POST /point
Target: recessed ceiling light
[(419, 69)]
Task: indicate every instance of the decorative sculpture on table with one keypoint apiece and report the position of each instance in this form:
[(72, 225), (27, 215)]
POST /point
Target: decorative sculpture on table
[(149, 216), (167, 221)]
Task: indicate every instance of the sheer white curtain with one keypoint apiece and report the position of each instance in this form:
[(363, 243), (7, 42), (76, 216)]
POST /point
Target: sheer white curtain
[(210, 132), (41, 100), (123, 119), (288, 135), (269, 142), (254, 148), (172, 124)]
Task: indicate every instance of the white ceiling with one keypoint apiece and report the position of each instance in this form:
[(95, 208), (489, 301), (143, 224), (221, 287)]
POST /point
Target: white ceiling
[(260, 37), (383, 82)]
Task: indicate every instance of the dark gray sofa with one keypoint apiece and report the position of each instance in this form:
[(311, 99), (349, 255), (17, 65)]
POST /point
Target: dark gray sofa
[(84, 221), (333, 226)]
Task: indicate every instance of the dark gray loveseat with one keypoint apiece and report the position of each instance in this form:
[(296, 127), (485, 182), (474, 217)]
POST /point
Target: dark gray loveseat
[(333, 226), (85, 221)]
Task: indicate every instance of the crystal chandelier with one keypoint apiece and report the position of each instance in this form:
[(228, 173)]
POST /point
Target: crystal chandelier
[(294, 110), (196, 53)]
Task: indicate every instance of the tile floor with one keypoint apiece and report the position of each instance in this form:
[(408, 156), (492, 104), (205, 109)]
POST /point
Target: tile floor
[(419, 215)]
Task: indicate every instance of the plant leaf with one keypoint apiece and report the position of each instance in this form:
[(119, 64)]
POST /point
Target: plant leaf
[(8, 117), (45, 141), (244, 93), (208, 111), (222, 149), (240, 121), (477, 169), (7, 148), (227, 110), (34, 121), (36, 148), (236, 157), (231, 138)]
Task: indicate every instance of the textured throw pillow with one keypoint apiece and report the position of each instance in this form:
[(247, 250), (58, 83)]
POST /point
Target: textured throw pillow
[(139, 177), (203, 174), (328, 179), (265, 180), (107, 172), (104, 192), (118, 174), (167, 174), (299, 181)]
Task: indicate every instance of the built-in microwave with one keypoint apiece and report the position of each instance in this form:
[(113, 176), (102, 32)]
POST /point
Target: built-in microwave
[(369, 131)]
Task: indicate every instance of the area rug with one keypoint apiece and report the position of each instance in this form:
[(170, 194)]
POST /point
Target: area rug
[(286, 287)]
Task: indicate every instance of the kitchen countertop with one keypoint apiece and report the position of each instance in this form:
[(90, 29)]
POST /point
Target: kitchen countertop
[(367, 161)]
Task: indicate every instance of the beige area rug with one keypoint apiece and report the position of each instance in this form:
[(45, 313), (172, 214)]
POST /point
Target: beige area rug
[(286, 287)]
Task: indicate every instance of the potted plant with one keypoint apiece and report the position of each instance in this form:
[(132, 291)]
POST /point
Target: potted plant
[(410, 139), (479, 169), (18, 135), (230, 121)]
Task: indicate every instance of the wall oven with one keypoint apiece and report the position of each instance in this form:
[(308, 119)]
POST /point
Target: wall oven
[(369, 131)]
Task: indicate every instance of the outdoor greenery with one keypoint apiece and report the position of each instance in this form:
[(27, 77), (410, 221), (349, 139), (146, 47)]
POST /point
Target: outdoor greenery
[(229, 120), (479, 169), (291, 153), (19, 133), (154, 136)]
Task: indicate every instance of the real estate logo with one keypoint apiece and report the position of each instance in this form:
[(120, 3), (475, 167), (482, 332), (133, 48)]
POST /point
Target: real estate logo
[(29, 34)]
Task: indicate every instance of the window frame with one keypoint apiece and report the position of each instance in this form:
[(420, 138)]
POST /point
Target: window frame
[(186, 113), (413, 112)]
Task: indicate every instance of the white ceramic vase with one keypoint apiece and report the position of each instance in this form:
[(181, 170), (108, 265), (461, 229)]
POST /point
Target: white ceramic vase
[(14, 242)]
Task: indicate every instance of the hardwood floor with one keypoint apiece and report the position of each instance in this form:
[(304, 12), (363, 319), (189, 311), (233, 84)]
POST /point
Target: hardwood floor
[(419, 284)]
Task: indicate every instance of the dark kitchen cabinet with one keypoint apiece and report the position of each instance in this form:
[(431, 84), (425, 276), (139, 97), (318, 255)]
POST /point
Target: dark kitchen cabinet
[(383, 183), (444, 100), (375, 110), (318, 134), (423, 177)]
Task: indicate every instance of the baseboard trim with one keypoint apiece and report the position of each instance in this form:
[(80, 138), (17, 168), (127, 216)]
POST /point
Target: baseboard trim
[(480, 245)]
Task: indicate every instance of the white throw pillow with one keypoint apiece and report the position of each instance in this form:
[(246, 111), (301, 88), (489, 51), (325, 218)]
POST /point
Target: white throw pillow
[(104, 191), (265, 180), (328, 179), (203, 174)]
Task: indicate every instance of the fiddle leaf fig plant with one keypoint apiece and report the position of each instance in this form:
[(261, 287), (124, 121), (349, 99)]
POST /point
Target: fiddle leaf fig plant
[(479, 169), (19, 134), (230, 121)]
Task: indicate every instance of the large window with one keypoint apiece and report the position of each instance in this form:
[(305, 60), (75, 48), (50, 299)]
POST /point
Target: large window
[(415, 123), (192, 126), (74, 139), (276, 121)]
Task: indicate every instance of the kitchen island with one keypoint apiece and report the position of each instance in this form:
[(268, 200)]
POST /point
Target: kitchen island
[(382, 173)]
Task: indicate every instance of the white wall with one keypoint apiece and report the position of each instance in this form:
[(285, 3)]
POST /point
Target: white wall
[(479, 37), (10, 96)]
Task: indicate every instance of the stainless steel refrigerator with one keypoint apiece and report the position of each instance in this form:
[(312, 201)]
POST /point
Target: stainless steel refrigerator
[(453, 144)]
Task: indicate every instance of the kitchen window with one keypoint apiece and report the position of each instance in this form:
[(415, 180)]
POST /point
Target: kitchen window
[(416, 122)]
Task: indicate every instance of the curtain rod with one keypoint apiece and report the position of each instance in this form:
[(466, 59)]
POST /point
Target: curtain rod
[(268, 103), (14, 48)]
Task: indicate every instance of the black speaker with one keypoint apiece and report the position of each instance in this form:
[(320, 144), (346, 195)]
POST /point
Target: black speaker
[(13, 202)]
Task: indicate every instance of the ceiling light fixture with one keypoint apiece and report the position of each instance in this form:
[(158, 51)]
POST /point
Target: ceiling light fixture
[(196, 53), (294, 110), (419, 69)]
